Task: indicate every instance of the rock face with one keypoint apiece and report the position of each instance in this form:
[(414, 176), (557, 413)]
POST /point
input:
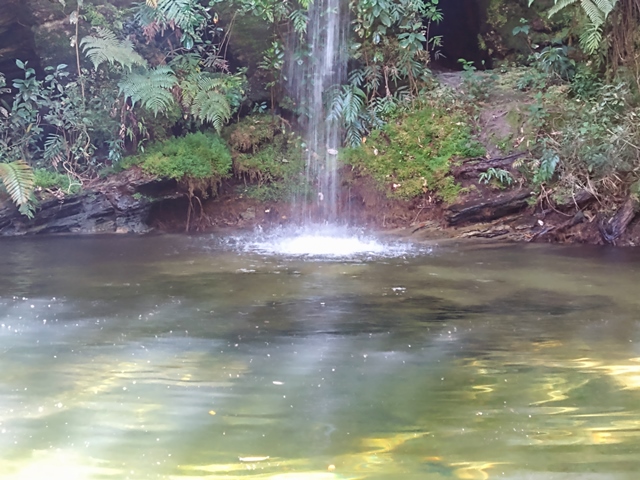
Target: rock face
[(121, 205), (16, 38)]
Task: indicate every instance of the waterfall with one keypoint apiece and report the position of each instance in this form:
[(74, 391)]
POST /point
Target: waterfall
[(315, 65)]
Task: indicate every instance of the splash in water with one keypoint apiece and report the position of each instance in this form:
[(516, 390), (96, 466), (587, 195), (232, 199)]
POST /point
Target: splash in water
[(322, 241)]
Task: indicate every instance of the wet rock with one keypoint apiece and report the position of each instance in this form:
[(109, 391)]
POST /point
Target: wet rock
[(114, 206)]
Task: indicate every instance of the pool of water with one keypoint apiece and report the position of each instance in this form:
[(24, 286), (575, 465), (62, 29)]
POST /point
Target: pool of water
[(191, 358)]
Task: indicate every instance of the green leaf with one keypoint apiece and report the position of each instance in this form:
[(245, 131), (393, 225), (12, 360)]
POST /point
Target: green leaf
[(151, 88), (104, 47), (18, 179)]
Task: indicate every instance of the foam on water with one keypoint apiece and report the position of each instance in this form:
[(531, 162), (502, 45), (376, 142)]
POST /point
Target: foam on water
[(321, 241)]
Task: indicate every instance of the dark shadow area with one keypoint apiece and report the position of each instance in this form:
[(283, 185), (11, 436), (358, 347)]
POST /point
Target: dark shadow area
[(460, 31), (16, 39)]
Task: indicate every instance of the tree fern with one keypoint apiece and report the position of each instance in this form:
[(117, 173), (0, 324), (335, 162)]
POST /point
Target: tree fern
[(105, 47), (18, 180), (151, 88)]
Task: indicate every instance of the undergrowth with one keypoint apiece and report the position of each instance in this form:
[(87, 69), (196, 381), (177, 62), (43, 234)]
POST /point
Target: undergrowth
[(196, 156), (584, 135), (414, 154), (267, 157), (49, 180)]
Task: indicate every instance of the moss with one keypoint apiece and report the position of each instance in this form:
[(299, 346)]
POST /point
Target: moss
[(252, 132), (50, 180), (414, 154), (268, 158), (199, 156)]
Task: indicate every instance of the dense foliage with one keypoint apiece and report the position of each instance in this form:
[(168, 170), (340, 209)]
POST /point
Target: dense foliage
[(197, 156), (413, 155), (157, 82)]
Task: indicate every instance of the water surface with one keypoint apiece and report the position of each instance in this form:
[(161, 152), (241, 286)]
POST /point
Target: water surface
[(190, 358)]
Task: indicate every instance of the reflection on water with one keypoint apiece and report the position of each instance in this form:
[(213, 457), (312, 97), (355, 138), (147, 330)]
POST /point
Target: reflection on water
[(184, 358)]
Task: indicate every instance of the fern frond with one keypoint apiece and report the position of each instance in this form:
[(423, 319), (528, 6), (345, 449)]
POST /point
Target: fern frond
[(300, 20), (19, 181), (213, 107), (591, 38), (105, 47), (596, 10), (204, 97), (55, 149), (596, 16), (559, 5), (186, 14), (151, 88)]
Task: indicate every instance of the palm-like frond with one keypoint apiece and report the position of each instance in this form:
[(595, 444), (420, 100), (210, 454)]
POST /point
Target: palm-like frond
[(18, 179), (348, 107), (591, 38), (151, 88), (55, 149), (186, 14), (105, 47)]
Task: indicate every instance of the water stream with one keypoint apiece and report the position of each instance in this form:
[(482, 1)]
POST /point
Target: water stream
[(211, 358), (317, 63)]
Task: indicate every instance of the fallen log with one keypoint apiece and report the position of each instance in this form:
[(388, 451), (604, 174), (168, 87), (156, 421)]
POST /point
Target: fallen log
[(475, 166), (482, 210)]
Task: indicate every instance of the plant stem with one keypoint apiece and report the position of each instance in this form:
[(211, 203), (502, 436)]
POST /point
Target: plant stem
[(80, 79)]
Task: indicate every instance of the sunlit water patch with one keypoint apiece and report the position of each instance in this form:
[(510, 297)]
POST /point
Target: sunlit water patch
[(322, 241)]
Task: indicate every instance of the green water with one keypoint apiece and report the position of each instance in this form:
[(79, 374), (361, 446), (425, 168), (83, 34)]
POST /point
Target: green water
[(174, 358)]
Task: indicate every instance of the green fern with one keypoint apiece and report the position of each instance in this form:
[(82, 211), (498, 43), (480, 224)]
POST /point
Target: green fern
[(204, 96), (55, 149), (348, 107), (151, 88), (213, 107), (597, 11), (591, 38), (105, 47), (18, 180), (186, 16)]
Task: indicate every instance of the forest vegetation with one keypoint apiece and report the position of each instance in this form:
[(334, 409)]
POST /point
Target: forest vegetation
[(165, 86)]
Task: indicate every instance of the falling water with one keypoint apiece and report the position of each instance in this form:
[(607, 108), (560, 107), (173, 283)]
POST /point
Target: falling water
[(317, 63), (321, 66)]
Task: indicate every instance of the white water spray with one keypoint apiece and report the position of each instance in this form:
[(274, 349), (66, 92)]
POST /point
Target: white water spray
[(315, 66)]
